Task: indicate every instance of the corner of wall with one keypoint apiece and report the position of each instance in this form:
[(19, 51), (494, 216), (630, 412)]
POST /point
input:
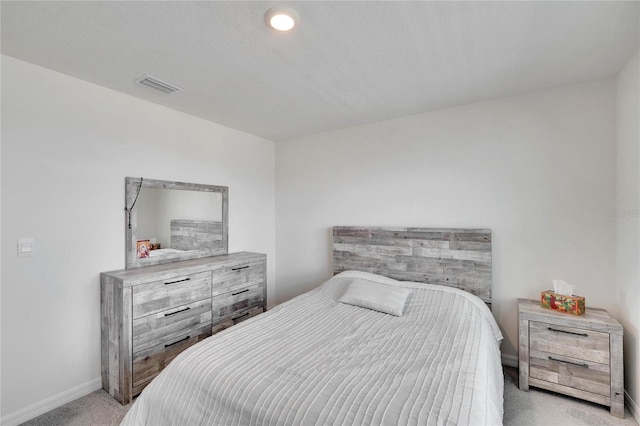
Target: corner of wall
[(627, 217)]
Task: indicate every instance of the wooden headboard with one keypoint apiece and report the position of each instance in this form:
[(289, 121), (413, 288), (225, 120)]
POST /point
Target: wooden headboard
[(196, 235), (458, 258)]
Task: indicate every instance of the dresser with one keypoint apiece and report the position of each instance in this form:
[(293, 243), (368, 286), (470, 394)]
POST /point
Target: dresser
[(151, 314), (579, 356)]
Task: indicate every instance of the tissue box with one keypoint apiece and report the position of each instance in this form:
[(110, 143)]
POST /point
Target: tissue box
[(559, 302)]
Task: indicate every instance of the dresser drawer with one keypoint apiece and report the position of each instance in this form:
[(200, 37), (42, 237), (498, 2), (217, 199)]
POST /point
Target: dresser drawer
[(574, 373), (151, 361), (238, 300), (576, 343), (158, 296), (157, 328), (239, 276), (228, 321)]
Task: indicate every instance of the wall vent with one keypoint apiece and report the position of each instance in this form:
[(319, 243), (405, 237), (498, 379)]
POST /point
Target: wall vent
[(157, 84)]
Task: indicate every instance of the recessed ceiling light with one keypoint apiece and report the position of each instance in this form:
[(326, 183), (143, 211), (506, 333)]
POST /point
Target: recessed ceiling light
[(281, 18)]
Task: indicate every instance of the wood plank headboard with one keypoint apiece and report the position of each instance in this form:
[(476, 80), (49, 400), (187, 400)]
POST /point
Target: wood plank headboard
[(458, 258), (196, 235)]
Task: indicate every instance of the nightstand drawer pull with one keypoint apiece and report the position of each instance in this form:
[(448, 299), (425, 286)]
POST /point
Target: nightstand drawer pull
[(568, 362), (178, 281), (240, 292), (568, 332), (179, 341), (242, 267), (241, 316), (177, 312)]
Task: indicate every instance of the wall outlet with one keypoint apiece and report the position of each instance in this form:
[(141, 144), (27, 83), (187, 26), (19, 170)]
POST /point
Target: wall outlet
[(25, 247)]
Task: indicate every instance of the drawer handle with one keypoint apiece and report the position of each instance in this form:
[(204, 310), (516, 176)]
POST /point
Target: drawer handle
[(241, 316), (179, 341), (567, 332), (240, 292), (569, 362), (178, 281), (241, 267), (177, 312)]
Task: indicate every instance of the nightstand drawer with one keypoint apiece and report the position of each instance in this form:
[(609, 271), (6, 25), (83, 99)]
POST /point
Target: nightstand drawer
[(566, 371), (158, 296), (576, 343)]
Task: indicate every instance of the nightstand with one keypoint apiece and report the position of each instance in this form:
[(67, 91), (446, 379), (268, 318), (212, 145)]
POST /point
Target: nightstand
[(579, 356)]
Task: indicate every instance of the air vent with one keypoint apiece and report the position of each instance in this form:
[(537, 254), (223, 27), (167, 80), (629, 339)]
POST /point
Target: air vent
[(154, 83)]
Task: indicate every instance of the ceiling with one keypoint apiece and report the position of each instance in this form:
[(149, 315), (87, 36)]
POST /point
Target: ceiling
[(346, 63)]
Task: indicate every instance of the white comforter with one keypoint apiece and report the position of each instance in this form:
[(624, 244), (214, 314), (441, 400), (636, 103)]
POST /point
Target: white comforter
[(315, 361)]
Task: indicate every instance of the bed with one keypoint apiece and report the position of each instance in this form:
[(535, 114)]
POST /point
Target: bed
[(187, 236), (322, 358)]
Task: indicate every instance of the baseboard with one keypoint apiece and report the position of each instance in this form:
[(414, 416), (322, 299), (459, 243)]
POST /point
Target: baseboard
[(510, 360), (632, 406), (34, 410)]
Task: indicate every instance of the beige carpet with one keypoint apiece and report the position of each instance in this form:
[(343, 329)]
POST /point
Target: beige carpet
[(535, 407), (98, 408)]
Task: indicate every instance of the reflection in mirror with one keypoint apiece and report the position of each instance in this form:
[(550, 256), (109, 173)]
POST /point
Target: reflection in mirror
[(174, 221)]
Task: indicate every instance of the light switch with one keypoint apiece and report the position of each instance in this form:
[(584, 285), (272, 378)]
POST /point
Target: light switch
[(25, 247)]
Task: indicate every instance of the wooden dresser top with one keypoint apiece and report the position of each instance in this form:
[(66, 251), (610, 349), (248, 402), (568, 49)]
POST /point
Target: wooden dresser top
[(135, 275)]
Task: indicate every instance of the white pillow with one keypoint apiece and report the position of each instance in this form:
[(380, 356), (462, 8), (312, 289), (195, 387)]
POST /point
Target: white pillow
[(379, 297)]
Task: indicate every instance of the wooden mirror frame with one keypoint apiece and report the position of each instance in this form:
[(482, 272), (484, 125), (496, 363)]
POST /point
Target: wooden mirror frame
[(131, 220)]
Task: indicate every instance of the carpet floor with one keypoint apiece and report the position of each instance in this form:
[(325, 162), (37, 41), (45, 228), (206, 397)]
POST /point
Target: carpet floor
[(536, 407)]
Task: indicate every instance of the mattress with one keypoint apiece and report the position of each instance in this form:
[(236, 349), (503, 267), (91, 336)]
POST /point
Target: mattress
[(316, 361)]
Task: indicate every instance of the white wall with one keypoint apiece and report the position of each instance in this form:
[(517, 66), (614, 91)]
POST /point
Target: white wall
[(67, 146), (627, 219), (537, 169)]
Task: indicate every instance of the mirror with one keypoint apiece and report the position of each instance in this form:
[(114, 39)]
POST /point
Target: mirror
[(168, 221)]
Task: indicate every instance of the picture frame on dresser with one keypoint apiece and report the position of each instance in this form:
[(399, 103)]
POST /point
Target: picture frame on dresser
[(580, 356)]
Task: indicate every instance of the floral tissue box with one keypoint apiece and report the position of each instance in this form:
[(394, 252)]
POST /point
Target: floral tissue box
[(559, 302)]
